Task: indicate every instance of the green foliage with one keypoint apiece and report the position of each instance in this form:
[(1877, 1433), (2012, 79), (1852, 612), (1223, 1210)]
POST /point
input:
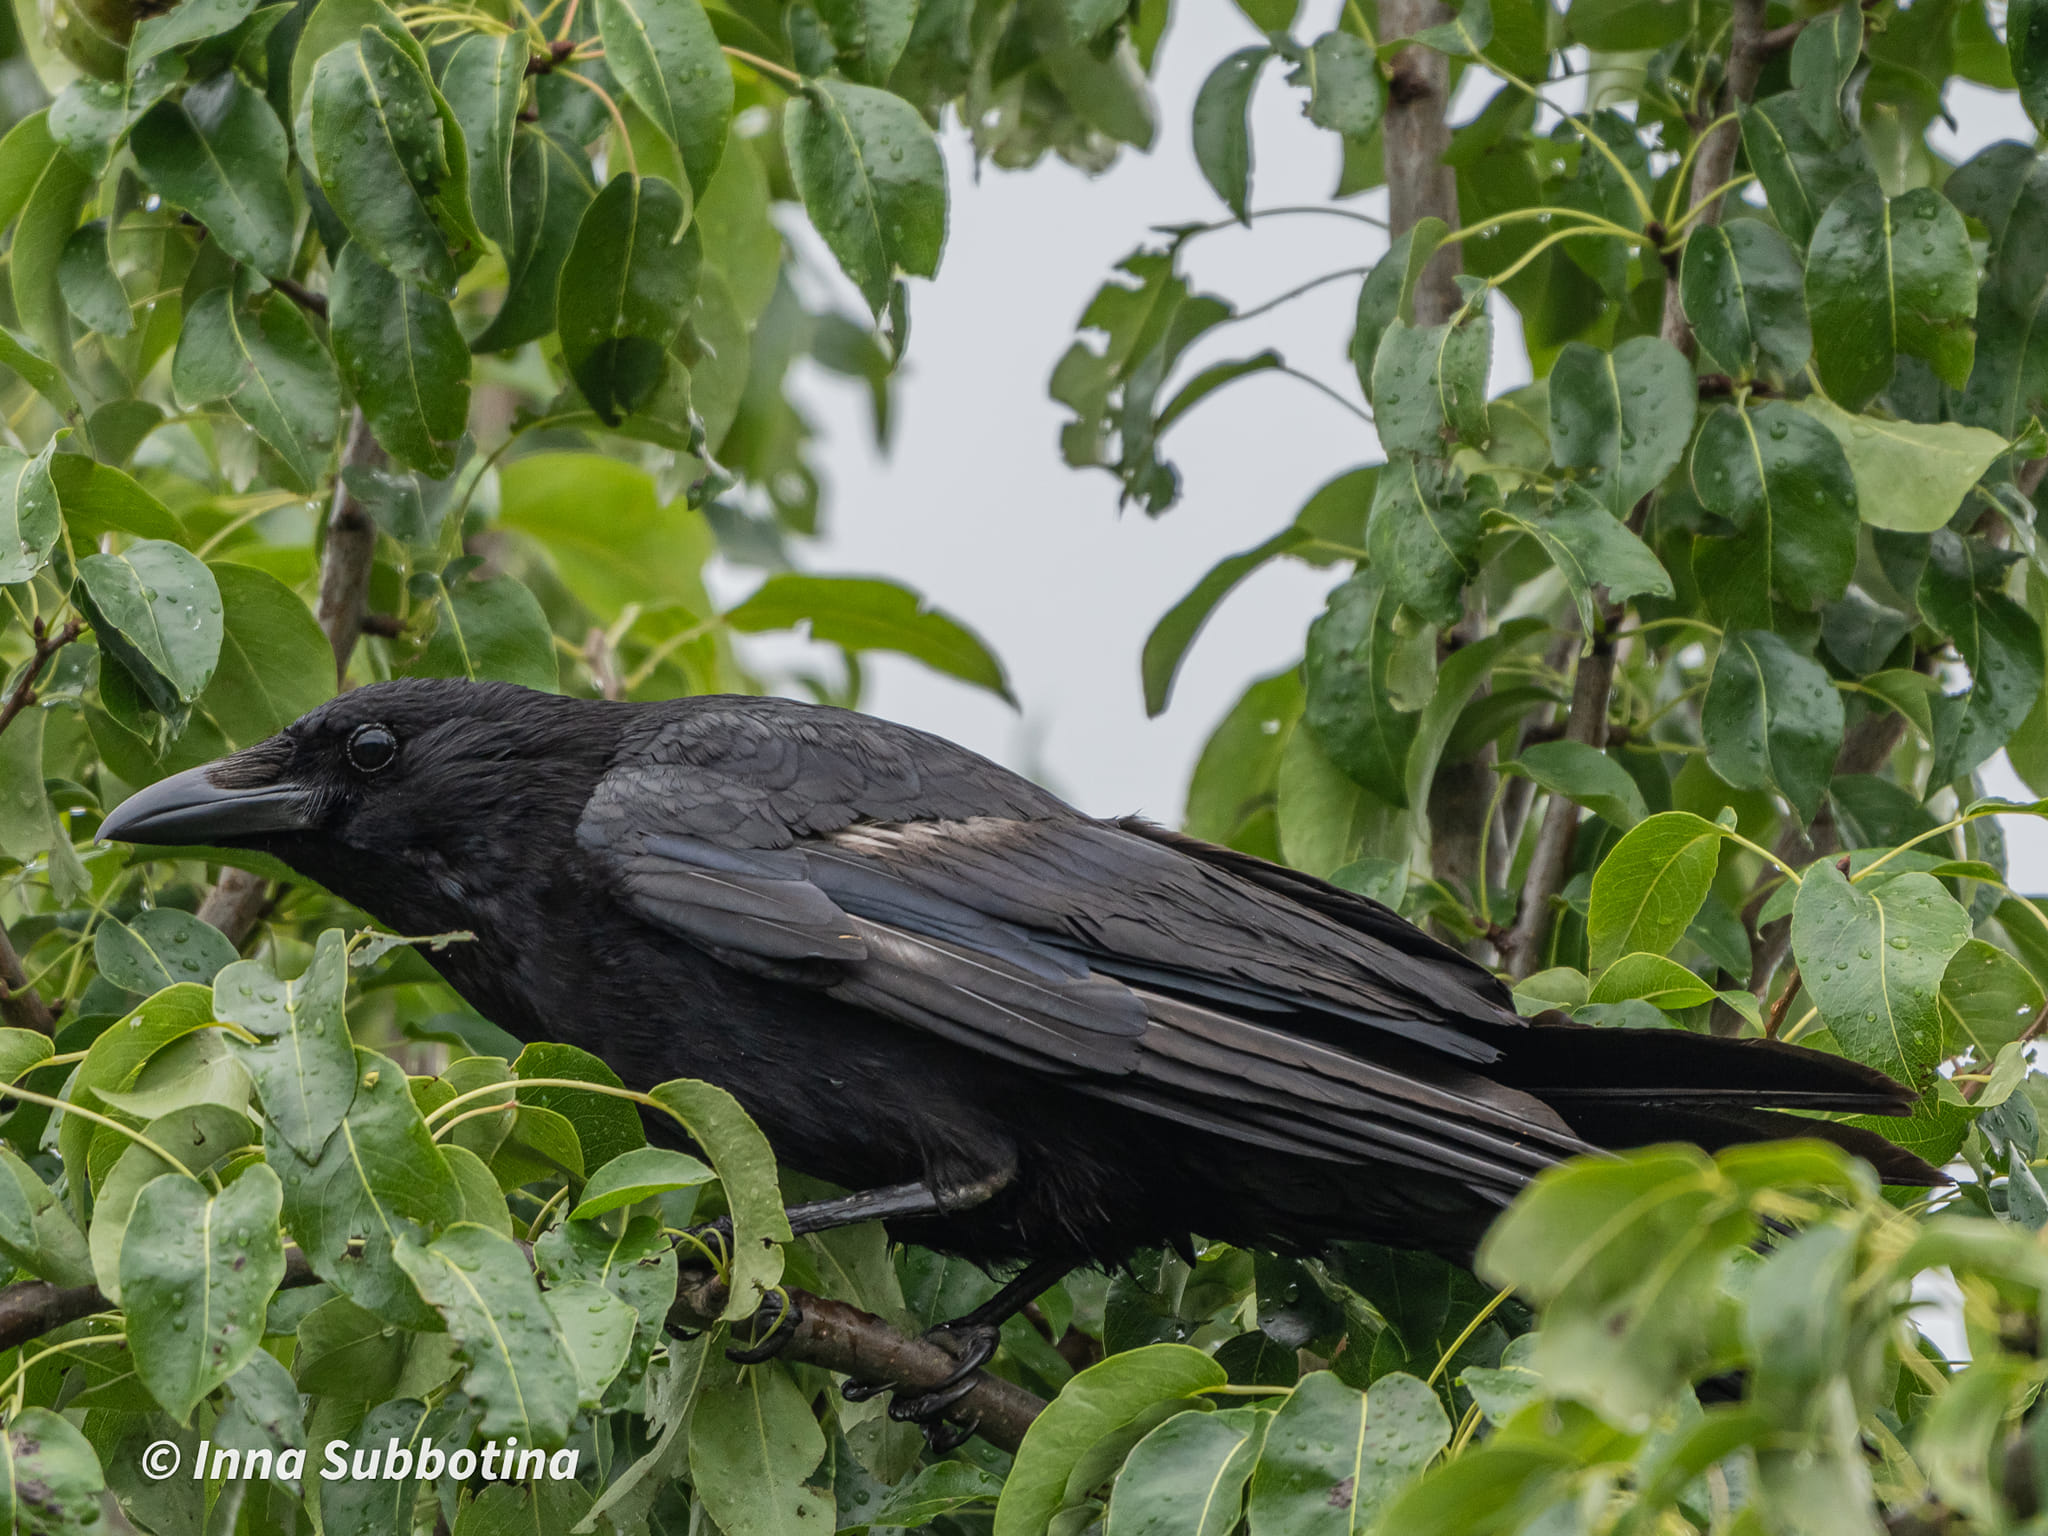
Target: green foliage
[(509, 293)]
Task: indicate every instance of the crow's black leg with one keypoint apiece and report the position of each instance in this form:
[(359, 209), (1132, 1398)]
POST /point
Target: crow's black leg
[(971, 1339)]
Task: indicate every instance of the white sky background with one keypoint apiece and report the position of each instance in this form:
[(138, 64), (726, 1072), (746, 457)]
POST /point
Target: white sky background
[(974, 507)]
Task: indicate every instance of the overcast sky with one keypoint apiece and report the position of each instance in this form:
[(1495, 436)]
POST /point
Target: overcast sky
[(974, 507)]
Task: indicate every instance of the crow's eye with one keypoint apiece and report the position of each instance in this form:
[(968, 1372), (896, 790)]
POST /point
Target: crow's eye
[(372, 748)]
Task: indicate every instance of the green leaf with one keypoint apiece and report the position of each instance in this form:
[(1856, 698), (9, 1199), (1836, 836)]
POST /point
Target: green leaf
[(1784, 481), (403, 359), (490, 629), (1350, 709), (1647, 891), (1744, 292), (1465, 35), (550, 191), (1886, 277), (197, 1272), (520, 1371), (201, 1136), (597, 1331), (1959, 594), (1772, 719), (29, 514), (1388, 293), (304, 1064), (668, 58), (1631, 1306), (20, 1050), (871, 179), (1823, 58), (481, 85), (273, 374), (379, 1177), (746, 1169), (1232, 790), (1167, 646), (1335, 1457), (275, 664), (869, 614), (637, 1264), (941, 1488), (46, 188), (1872, 956), (638, 1176), (636, 263), (1625, 415), (870, 35), (114, 1061), (2026, 37), (1654, 979), (606, 1127), (1423, 533), (1800, 172), (1987, 999), (1187, 1478), (752, 1444), (50, 1478), (1429, 385), (1107, 1397), (36, 1233), (1910, 476), (190, 21), (1587, 777), (159, 948), (1223, 135), (1588, 544), (1347, 94), (98, 497), (219, 152), (376, 134), (156, 610), (85, 276)]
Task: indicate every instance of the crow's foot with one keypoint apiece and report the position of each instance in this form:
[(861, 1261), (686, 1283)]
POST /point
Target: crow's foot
[(971, 1345), (781, 1328)]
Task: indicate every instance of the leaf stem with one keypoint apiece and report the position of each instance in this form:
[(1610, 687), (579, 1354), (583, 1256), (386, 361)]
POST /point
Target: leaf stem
[(618, 117), (65, 1106), (766, 67)]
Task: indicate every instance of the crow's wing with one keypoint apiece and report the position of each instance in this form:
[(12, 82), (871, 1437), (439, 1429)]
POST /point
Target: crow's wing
[(904, 875)]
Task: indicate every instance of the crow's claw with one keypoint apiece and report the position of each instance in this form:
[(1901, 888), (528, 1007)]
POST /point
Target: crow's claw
[(973, 1345), (942, 1435), (861, 1391), (930, 1407), (766, 1346)]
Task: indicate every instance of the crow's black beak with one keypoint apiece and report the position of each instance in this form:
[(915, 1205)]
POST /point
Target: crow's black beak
[(190, 807)]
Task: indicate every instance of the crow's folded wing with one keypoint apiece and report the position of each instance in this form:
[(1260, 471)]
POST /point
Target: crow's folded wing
[(905, 876)]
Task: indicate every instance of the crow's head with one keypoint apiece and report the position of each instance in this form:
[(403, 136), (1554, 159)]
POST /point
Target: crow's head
[(393, 793)]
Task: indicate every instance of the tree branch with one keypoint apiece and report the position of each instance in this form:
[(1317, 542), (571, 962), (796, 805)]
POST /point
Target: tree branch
[(843, 1339), (20, 1004), (1419, 184), (351, 546), (1715, 163), (1585, 722)]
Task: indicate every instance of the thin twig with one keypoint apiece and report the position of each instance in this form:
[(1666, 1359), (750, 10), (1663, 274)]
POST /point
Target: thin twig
[(1776, 1021), (1586, 723), (1714, 164), (47, 645)]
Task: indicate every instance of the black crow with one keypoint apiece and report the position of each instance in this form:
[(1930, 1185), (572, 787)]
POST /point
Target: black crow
[(1023, 1033)]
